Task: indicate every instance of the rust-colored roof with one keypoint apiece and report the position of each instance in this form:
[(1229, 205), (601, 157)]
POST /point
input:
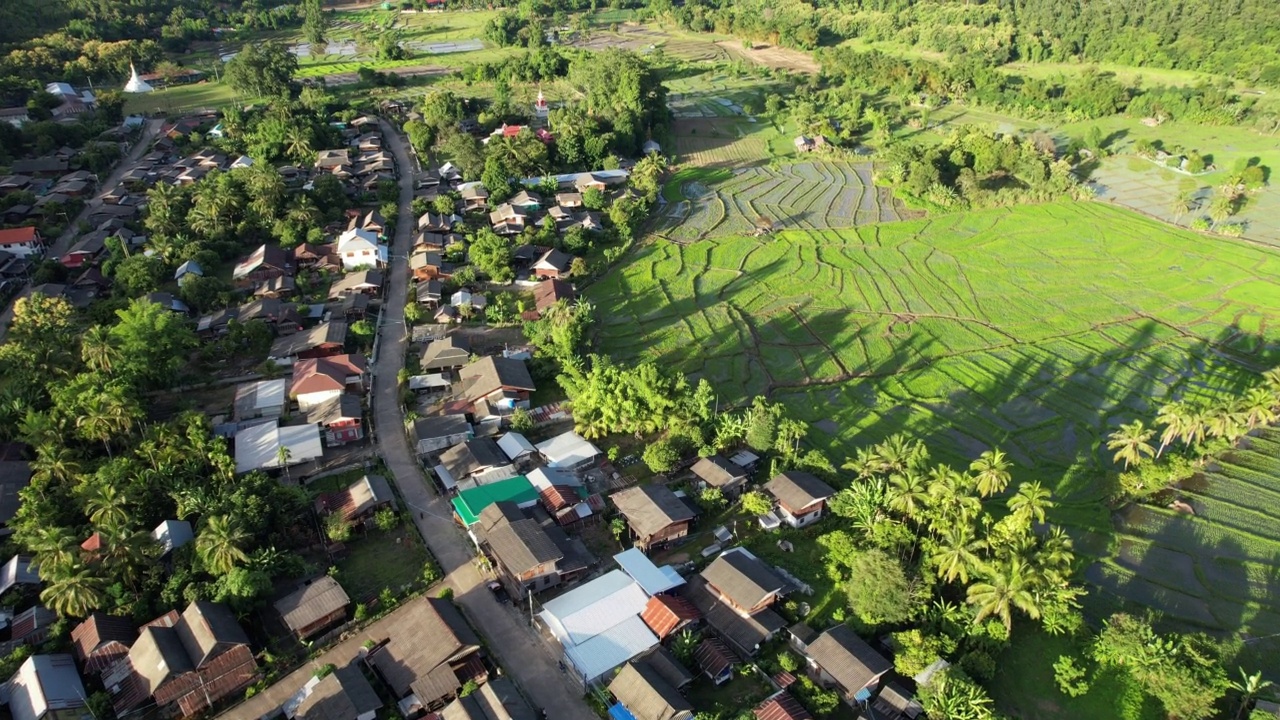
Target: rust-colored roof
[(557, 497), (664, 614), (781, 707), (101, 640), (224, 676), (93, 543), (12, 236), (784, 679)]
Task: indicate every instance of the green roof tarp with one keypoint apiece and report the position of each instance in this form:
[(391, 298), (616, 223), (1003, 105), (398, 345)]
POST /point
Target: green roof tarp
[(471, 502)]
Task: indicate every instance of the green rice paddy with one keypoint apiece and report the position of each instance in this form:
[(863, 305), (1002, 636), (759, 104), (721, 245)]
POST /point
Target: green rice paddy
[(1037, 329)]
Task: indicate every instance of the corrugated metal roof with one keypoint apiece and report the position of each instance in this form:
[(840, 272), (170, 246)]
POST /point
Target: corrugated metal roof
[(611, 648), (471, 502), (583, 613), (652, 578)]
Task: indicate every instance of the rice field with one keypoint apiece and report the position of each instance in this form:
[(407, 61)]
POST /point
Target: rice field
[(813, 195), (1037, 329), (1219, 567)]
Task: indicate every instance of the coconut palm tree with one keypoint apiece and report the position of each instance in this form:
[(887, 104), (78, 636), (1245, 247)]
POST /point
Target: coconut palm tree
[(1131, 443), (1005, 587), (1221, 208), (957, 553), (128, 554), (54, 463), (1030, 502), (991, 472), (1182, 203), (107, 506), (97, 350), (76, 592), (1271, 381), (56, 549), (1055, 551), (1259, 407), (908, 494), (1249, 687), (219, 544), (1173, 416), (298, 145), (1228, 420)]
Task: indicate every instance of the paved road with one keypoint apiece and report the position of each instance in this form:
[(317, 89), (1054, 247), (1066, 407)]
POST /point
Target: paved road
[(523, 655), (64, 241)]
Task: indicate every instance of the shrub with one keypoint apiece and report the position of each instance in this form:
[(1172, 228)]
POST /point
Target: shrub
[(386, 519), (361, 612), (337, 529), (324, 671), (756, 503), (431, 573), (1070, 676), (661, 456), (521, 421), (445, 594)]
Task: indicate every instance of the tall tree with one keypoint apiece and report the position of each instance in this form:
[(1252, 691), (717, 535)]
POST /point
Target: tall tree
[(991, 472), (1030, 502), (97, 350), (1132, 443), (220, 544), (75, 592), (153, 342), (1003, 588)]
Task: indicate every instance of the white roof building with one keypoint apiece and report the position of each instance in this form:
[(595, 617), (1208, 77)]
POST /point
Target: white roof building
[(598, 624), (360, 248), (544, 477), (47, 686), (173, 534), (515, 446), (258, 447), (568, 451), (651, 578)]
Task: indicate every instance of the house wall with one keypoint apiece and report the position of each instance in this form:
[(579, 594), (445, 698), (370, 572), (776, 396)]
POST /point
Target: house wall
[(847, 695), (430, 445), (323, 623), (667, 534), (306, 401), (802, 519), (342, 432), (540, 578), (25, 249)]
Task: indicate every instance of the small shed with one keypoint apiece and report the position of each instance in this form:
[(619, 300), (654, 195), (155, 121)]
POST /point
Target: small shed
[(313, 608)]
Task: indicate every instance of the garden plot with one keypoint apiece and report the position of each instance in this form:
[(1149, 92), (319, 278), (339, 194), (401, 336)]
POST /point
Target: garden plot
[(1037, 329), (443, 48)]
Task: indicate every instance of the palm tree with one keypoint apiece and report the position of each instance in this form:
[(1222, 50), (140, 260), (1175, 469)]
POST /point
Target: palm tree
[(907, 494), (1228, 419), (1271, 381), (1173, 416), (1131, 443), (54, 462), (97, 350), (128, 554), (1030, 501), (56, 549), (219, 544), (1005, 587), (74, 593), (107, 506), (1249, 686), (991, 471), (1055, 551), (1184, 202), (1221, 208), (957, 553), (298, 145), (1260, 407)]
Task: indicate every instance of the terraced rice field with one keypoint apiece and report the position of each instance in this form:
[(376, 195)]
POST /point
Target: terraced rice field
[(815, 195), (725, 142), (1037, 329), (1219, 568)]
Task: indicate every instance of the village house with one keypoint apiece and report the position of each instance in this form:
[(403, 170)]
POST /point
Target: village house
[(497, 699), (800, 497), (365, 282), (319, 380), (474, 197), (550, 292), (344, 694), (47, 687), (24, 242), (841, 660), (447, 353), (340, 419), (86, 250), (271, 447), (428, 265), (525, 556), (259, 399), (184, 669), (508, 219), (265, 263), (370, 220), (744, 582), (569, 199), (552, 264), (425, 676), (717, 472), (472, 457), (782, 705), (667, 615), (359, 248), (435, 223), (432, 434), (335, 161), (646, 695), (496, 385), (317, 606), (654, 515), (102, 640), (359, 501), (276, 288), (714, 658), (323, 340), (569, 451)]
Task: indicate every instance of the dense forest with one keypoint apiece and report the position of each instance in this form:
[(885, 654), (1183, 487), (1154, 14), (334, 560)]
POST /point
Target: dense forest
[(1241, 39)]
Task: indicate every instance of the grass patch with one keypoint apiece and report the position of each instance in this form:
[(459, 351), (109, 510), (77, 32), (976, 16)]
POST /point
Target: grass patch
[(182, 98), (382, 560)]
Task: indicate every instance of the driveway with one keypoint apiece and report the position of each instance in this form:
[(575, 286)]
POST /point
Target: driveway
[(517, 647)]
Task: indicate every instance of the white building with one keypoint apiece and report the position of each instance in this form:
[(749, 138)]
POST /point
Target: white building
[(259, 447), (569, 451), (47, 686), (360, 248), (599, 625)]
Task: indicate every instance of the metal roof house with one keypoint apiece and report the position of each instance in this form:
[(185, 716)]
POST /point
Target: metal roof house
[(599, 624)]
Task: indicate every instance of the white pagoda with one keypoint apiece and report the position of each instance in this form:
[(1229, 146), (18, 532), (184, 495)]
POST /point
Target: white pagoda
[(136, 84), (540, 108)]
